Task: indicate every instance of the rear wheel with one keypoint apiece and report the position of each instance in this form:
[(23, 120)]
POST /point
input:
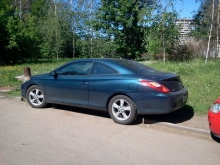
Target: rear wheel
[(122, 109), (36, 97)]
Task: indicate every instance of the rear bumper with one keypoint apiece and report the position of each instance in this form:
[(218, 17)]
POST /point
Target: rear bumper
[(161, 103)]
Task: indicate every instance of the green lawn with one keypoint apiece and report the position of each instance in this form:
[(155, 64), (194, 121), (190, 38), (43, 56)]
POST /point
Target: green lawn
[(202, 80)]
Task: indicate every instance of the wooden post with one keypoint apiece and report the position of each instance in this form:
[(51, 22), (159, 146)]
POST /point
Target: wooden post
[(27, 71)]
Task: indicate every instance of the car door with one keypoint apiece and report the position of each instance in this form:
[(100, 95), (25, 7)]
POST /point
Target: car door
[(69, 84), (102, 82)]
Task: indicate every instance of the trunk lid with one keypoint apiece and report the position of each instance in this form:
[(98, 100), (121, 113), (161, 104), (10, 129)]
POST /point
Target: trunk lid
[(170, 80)]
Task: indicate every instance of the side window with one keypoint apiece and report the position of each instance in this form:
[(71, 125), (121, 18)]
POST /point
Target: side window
[(76, 68), (102, 69)]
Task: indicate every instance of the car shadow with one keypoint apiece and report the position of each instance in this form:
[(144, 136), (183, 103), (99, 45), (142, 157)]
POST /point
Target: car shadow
[(179, 116), (86, 111), (91, 112)]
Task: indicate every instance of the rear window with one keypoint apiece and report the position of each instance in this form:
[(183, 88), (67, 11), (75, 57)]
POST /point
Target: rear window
[(135, 66), (99, 68)]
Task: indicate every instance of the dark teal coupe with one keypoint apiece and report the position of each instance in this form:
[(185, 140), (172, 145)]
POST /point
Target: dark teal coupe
[(124, 88)]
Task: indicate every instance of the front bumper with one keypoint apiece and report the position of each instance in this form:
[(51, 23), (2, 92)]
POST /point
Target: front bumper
[(214, 123)]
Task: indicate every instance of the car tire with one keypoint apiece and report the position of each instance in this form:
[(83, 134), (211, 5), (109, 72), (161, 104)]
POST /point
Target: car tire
[(214, 137), (122, 109), (36, 97)]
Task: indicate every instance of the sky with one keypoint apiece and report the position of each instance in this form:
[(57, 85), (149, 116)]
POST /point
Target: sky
[(185, 8)]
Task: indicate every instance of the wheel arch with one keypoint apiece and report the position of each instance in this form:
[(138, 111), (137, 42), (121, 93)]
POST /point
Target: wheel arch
[(30, 85), (116, 94)]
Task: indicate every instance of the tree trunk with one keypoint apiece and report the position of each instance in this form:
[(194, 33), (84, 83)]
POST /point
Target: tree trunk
[(20, 9), (164, 49), (90, 31), (218, 25), (73, 46), (210, 32), (55, 12)]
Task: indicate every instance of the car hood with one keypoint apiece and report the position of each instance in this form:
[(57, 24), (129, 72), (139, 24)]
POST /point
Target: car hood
[(217, 101), (40, 76)]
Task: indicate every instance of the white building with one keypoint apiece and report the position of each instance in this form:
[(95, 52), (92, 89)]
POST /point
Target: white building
[(184, 28)]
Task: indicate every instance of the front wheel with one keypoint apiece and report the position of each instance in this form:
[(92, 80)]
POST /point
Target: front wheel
[(36, 97), (122, 109)]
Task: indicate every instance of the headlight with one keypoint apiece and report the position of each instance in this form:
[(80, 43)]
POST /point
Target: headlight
[(215, 108)]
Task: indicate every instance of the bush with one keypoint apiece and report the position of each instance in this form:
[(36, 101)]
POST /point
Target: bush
[(180, 52)]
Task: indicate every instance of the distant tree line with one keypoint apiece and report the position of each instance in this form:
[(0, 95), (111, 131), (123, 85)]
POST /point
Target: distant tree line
[(35, 29)]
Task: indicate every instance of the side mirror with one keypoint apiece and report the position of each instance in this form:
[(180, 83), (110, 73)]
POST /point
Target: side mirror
[(53, 73)]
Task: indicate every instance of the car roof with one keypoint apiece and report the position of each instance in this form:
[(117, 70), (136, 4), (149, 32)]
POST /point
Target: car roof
[(103, 59), (123, 64)]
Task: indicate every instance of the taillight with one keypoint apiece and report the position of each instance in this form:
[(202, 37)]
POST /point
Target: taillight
[(155, 86)]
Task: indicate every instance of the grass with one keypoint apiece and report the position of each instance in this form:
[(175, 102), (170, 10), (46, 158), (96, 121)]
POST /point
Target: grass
[(202, 80), (8, 73)]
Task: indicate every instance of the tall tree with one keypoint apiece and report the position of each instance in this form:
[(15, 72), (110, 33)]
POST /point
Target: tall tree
[(210, 30), (20, 37), (217, 54), (55, 30), (125, 22), (5, 10), (206, 26), (83, 13), (163, 31)]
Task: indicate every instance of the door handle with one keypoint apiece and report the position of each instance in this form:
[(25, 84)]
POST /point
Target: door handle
[(84, 83)]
